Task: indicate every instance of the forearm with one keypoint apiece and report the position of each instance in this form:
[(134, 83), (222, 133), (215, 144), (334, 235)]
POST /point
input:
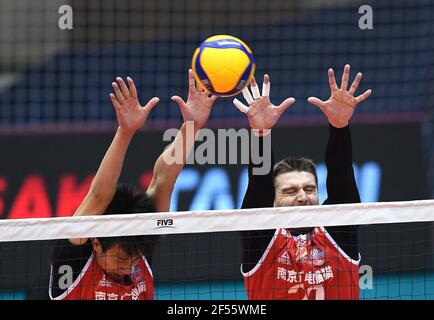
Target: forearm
[(259, 194), (341, 183), (341, 186), (169, 165), (104, 183), (260, 189), (179, 150)]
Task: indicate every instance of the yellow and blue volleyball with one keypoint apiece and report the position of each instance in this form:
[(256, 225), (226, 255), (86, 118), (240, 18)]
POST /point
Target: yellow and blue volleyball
[(223, 65)]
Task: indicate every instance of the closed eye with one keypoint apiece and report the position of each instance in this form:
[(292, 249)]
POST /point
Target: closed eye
[(291, 191), (310, 189)]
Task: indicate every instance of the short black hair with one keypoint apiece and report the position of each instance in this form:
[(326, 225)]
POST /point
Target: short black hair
[(129, 199), (126, 200), (291, 164)]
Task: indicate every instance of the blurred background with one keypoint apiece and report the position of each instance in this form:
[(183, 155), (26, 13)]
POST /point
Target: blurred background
[(56, 119)]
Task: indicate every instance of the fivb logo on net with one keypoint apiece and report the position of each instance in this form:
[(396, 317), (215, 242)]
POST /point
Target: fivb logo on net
[(223, 146), (164, 223)]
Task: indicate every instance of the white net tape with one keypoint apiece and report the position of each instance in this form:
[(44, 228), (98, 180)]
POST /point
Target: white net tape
[(217, 220)]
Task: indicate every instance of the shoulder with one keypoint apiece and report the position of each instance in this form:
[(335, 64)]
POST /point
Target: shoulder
[(345, 239), (63, 250), (67, 262)]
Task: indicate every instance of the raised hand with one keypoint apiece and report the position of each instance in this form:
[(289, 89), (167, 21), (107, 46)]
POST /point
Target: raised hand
[(130, 114), (340, 107), (198, 105), (261, 113)]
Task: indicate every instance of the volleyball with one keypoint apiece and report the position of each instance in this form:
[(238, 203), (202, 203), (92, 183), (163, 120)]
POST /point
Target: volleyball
[(223, 65)]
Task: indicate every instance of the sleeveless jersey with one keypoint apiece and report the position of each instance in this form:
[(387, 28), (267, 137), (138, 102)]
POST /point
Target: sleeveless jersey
[(93, 284), (304, 267)]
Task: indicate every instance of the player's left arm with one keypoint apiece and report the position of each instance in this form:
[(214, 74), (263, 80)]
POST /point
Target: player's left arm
[(341, 183), (339, 108), (195, 112)]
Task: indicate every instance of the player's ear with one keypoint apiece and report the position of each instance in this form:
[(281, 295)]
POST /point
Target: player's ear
[(96, 245)]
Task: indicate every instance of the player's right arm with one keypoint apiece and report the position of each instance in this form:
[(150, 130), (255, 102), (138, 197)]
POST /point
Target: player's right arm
[(339, 109), (195, 112), (131, 116), (69, 257), (262, 116)]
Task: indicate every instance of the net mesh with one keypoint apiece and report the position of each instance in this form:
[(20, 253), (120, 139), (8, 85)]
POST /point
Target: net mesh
[(394, 241)]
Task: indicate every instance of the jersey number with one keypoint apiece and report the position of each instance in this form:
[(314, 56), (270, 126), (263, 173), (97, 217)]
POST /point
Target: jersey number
[(317, 292)]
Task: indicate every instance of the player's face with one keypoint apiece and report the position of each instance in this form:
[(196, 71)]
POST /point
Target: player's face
[(116, 263), (296, 188)]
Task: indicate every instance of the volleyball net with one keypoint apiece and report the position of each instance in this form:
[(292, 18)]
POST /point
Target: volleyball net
[(309, 252)]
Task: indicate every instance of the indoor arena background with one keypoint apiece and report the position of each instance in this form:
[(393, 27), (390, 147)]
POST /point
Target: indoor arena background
[(56, 119)]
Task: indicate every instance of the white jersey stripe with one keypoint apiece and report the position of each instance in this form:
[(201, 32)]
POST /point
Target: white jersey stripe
[(342, 252), (264, 256), (74, 284)]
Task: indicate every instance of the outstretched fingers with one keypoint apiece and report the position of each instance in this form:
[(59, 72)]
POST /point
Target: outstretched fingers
[(115, 102), (285, 104), (151, 104), (181, 103), (355, 83), (363, 96), (212, 98), (191, 82), (316, 102), (255, 89), (332, 80), (266, 86), (125, 91), (241, 106), (247, 95), (345, 77), (133, 89), (119, 95)]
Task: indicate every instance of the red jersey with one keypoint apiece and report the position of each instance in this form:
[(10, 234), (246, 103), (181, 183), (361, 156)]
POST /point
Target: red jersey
[(309, 266), (93, 284)]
